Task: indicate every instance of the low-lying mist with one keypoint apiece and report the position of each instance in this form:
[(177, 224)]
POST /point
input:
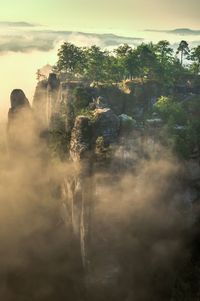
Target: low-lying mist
[(35, 263), (139, 225), (140, 228)]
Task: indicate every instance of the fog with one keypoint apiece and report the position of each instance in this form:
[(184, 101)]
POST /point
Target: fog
[(139, 224), (34, 242), (18, 70)]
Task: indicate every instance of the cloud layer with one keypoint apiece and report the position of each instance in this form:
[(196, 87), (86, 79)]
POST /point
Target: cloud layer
[(27, 37), (27, 40)]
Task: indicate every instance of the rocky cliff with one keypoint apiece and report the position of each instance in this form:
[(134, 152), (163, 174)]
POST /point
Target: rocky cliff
[(95, 131)]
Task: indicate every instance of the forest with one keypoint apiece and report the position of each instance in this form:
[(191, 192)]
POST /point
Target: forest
[(163, 82), (158, 62)]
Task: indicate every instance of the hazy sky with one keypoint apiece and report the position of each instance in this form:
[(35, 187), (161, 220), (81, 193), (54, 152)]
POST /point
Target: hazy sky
[(122, 17), (104, 15)]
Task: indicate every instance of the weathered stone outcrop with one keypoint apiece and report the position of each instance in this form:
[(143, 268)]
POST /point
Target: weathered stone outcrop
[(45, 99), (20, 123), (18, 99), (40, 102), (104, 141), (51, 96), (80, 139), (78, 187), (106, 125)]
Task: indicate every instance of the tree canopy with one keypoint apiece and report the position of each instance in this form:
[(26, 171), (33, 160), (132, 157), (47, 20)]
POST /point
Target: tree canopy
[(146, 61)]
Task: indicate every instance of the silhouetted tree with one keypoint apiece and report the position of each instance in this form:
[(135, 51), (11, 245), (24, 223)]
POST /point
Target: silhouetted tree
[(183, 49)]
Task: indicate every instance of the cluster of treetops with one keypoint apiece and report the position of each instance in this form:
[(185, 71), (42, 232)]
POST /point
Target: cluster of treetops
[(147, 61)]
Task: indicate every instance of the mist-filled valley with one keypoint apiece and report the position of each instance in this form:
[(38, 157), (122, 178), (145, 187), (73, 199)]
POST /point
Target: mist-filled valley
[(100, 178)]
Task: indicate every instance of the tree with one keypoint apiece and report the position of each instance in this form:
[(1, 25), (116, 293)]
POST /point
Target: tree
[(195, 57), (114, 71), (95, 63), (170, 110), (163, 51), (122, 53), (165, 63), (147, 59), (70, 58), (132, 64), (128, 60), (123, 50), (183, 49)]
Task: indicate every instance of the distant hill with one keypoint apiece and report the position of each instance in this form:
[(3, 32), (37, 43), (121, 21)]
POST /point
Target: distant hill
[(16, 24), (178, 31)]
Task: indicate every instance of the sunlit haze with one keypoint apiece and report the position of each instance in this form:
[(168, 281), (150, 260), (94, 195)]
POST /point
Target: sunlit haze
[(129, 18)]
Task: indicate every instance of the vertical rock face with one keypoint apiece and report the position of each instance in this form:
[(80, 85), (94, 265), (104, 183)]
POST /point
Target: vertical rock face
[(90, 144), (52, 96), (41, 265), (103, 143), (86, 136), (65, 100), (18, 103), (106, 125), (92, 150), (80, 139), (53, 82), (40, 103), (78, 187), (20, 122), (18, 99), (45, 99)]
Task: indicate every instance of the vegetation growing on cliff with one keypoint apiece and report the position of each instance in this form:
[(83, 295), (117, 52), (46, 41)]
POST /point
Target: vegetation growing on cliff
[(182, 124), (147, 61), (159, 79), (143, 83)]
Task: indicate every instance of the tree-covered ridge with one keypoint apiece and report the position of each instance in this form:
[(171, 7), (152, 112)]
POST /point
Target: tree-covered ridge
[(151, 82), (168, 81), (112, 110), (147, 61)]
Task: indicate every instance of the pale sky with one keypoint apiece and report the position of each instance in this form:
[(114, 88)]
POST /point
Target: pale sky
[(103, 15), (121, 17)]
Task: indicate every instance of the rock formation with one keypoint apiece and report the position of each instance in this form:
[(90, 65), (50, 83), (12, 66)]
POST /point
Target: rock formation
[(20, 122), (103, 141), (18, 102)]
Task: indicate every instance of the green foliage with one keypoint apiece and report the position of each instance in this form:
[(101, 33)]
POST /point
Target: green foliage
[(114, 70), (70, 58), (171, 111), (182, 124), (88, 113), (163, 51), (103, 151), (58, 138), (195, 58), (81, 99), (96, 64), (180, 142), (127, 58), (147, 62), (100, 144), (184, 50), (142, 65)]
